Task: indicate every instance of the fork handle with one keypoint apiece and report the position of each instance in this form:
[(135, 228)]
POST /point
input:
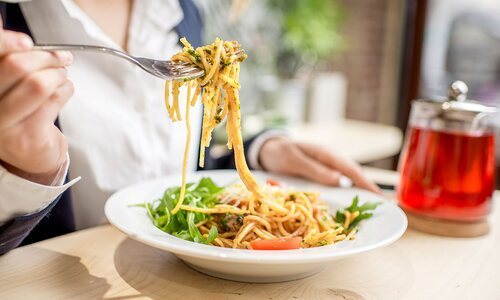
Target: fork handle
[(74, 47)]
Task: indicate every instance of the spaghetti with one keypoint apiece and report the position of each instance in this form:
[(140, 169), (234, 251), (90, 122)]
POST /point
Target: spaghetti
[(237, 216), (306, 216), (220, 98)]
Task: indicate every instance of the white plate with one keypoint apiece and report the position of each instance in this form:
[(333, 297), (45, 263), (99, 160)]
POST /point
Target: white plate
[(386, 226)]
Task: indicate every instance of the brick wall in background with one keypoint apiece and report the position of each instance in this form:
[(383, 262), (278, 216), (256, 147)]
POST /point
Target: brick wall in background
[(370, 61)]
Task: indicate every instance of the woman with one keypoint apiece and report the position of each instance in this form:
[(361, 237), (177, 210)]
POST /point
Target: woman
[(115, 127)]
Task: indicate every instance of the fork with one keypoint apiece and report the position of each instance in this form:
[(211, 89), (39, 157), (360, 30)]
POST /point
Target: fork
[(164, 69)]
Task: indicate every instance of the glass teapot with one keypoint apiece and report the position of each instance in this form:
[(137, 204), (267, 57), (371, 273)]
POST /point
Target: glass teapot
[(447, 165)]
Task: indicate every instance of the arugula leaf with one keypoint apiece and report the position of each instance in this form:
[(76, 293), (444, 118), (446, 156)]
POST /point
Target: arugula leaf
[(354, 204), (194, 232), (369, 206), (339, 217), (359, 218), (212, 234), (183, 234), (209, 184)]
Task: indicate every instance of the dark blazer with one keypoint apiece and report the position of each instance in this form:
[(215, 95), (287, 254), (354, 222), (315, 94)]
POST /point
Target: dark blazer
[(57, 218)]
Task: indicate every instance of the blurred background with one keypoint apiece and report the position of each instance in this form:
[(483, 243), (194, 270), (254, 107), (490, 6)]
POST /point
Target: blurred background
[(342, 73)]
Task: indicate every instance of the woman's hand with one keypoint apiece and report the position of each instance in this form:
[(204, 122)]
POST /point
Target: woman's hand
[(33, 89), (311, 161)]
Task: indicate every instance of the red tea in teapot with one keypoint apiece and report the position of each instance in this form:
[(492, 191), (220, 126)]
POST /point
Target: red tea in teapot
[(447, 175)]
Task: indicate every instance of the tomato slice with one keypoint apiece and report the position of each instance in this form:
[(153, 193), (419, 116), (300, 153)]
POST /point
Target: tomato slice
[(273, 182), (277, 244)]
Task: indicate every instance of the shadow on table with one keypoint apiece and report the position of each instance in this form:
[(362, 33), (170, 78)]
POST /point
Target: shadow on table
[(160, 275), (47, 275)]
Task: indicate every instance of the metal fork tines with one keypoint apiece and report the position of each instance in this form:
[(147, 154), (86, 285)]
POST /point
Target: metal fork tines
[(164, 69)]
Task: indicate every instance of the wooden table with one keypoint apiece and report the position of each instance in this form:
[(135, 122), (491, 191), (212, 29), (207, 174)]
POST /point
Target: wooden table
[(362, 141), (103, 263)]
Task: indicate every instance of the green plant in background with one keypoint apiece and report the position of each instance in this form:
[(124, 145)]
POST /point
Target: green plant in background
[(310, 30), (285, 40)]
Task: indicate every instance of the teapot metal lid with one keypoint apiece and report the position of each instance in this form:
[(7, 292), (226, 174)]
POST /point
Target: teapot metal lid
[(457, 102)]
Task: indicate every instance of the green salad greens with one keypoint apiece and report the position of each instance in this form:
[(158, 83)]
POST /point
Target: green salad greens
[(363, 213), (183, 223)]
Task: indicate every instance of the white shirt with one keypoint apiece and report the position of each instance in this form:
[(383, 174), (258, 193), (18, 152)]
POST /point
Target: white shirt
[(116, 123)]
